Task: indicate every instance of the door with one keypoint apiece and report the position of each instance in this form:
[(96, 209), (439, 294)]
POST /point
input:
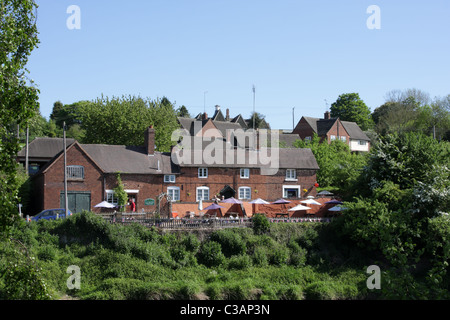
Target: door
[(78, 201)]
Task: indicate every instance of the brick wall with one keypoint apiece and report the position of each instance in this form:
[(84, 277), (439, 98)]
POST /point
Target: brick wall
[(53, 179)]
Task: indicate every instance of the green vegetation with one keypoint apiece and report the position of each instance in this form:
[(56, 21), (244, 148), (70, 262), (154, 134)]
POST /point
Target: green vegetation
[(290, 261)]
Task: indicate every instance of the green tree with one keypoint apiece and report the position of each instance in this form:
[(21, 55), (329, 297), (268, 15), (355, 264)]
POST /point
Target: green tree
[(120, 194), (350, 107), (183, 112), (18, 95), (122, 121), (260, 121), (339, 168)]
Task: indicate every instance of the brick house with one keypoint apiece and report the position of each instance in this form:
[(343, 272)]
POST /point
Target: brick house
[(329, 129), (92, 170)]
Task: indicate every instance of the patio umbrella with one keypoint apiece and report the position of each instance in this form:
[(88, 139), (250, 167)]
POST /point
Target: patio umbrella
[(214, 206), (281, 201), (259, 201), (337, 208), (104, 204), (311, 201), (333, 202), (299, 207), (231, 200), (325, 193)]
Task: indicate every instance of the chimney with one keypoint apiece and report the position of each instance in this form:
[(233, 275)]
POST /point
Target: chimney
[(228, 115), (205, 116), (327, 115), (150, 140)]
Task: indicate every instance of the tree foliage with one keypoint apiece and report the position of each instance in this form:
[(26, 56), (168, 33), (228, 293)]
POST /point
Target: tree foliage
[(18, 95), (339, 168), (122, 121), (350, 107)]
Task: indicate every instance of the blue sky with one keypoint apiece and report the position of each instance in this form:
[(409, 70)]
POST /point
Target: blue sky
[(296, 53)]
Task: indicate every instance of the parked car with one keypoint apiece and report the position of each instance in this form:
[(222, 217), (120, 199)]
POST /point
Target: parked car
[(50, 214)]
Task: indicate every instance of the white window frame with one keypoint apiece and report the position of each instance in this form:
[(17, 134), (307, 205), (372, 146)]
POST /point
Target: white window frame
[(285, 187), (75, 172), (110, 197), (332, 137), (344, 138), (169, 178), (245, 173), (362, 142), (202, 190), (174, 193), (247, 193), (289, 176), (203, 173), (308, 138)]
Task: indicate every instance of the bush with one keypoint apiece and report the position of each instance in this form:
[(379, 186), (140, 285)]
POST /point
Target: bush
[(261, 224), (231, 242), (260, 257), (239, 262), (211, 254)]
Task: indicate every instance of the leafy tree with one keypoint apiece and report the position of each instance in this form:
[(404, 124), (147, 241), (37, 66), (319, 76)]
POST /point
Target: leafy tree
[(350, 107), (119, 192), (339, 168), (183, 112), (122, 121), (18, 96), (260, 122)]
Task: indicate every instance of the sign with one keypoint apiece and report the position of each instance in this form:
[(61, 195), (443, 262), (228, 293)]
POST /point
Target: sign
[(149, 202)]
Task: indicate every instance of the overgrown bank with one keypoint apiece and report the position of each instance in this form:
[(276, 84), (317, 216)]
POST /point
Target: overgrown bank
[(287, 261)]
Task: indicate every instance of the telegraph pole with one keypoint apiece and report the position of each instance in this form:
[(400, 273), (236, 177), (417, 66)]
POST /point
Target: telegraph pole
[(66, 204)]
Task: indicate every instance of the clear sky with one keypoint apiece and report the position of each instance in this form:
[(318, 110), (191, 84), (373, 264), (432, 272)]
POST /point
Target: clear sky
[(296, 53)]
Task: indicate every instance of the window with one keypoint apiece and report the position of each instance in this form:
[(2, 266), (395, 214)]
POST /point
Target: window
[(332, 137), (202, 193), (308, 138), (245, 193), (362, 142), (173, 193), (75, 172), (291, 191), (203, 172), (110, 198), (245, 173), (344, 138), (169, 178), (291, 174)]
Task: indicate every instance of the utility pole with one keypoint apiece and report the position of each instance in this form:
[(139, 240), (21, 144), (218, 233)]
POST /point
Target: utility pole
[(26, 151), (293, 117), (254, 116), (66, 204)]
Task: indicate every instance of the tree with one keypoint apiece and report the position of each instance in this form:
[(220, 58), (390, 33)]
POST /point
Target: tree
[(120, 194), (183, 112), (18, 95), (122, 121), (350, 107), (339, 168), (260, 122)]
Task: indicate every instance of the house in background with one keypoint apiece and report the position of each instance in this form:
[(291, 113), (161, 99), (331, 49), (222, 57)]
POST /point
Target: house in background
[(329, 129)]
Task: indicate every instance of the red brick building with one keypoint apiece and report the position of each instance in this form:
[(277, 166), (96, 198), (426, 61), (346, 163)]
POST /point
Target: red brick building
[(329, 129), (243, 173)]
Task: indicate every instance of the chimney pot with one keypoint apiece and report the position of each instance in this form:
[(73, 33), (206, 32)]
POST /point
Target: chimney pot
[(327, 115), (228, 115)]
